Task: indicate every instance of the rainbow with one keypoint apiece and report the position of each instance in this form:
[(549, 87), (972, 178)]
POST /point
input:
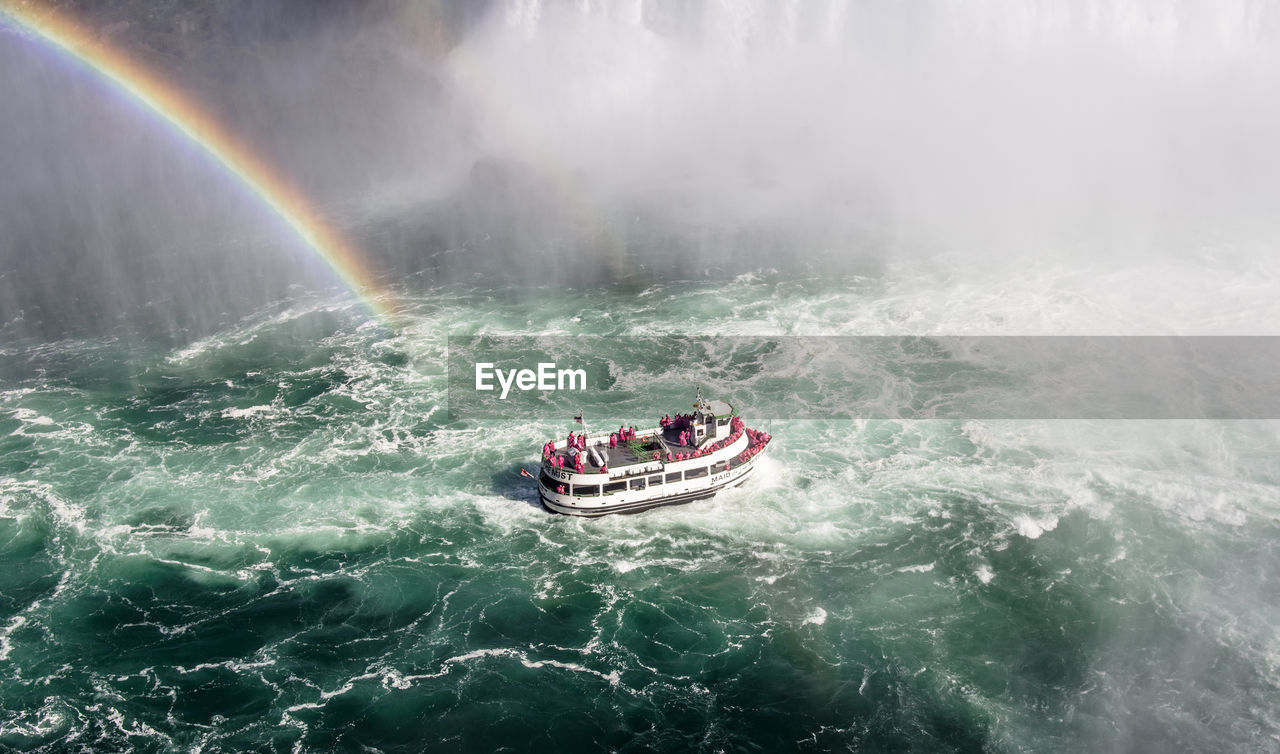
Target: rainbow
[(171, 106)]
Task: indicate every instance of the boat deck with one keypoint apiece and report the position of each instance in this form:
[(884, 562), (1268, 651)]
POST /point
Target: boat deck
[(638, 451), (639, 475)]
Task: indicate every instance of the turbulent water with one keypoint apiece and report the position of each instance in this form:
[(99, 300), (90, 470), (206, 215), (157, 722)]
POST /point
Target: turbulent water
[(237, 514), (273, 537)]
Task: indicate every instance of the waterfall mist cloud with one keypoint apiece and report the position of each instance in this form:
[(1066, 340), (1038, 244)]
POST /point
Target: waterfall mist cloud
[(582, 142), (946, 125), (109, 212)]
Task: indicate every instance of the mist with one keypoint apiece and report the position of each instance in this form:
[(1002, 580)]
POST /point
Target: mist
[(240, 511), (965, 126), (583, 143), (110, 216)]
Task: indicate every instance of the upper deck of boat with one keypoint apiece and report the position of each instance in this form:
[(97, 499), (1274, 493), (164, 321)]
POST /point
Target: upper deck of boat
[(711, 422), (640, 450)]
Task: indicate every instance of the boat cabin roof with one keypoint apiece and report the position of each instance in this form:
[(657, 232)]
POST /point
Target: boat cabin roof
[(720, 408)]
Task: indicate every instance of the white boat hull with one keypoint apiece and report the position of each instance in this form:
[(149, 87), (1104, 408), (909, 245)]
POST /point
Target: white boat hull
[(665, 465), (601, 507), (635, 501)]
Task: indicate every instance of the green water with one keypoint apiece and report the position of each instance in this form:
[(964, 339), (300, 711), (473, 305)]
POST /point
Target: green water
[(273, 538)]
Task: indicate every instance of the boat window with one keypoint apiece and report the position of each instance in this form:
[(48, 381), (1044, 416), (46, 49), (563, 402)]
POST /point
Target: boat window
[(695, 473), (638, 484), (655, 479), (586, 490), (613, 487), (673, 477), (548, 482)]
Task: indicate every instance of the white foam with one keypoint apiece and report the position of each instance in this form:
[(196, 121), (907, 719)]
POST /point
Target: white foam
[(52, 717), (923, 568), (135, 728), (394, 679), (1032, 528), (27, 416), (984, 573), (246, 413), (63, 512), (6, 645)]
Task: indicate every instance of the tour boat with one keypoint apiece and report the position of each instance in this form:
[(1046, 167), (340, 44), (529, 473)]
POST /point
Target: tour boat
[(686, 457)]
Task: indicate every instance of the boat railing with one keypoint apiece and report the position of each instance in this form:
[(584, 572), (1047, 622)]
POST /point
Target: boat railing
[(602, 437)]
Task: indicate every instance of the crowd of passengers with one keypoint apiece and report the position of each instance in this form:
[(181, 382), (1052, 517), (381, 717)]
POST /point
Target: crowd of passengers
[(577, 443)]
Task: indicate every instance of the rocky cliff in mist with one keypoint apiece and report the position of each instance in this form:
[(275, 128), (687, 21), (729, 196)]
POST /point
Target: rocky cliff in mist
[(294, 76), (105, 212)]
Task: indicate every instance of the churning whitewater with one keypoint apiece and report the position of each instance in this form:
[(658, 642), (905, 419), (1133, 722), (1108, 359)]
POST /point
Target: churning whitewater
[(272, 537), (242, 507)]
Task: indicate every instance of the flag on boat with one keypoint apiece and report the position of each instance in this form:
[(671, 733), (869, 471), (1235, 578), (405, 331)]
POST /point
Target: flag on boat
[(578, 418), (525, 473)]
